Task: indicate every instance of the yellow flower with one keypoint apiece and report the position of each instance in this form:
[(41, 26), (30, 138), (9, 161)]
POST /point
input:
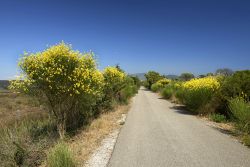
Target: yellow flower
[(207, 82)]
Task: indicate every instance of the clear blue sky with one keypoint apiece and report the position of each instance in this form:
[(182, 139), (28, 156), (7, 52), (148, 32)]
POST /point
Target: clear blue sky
[(167, 36)]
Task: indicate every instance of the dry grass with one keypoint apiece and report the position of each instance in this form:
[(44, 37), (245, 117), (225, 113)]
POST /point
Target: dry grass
[(88, 140), (224, 126), (16, 107), (19, 107)]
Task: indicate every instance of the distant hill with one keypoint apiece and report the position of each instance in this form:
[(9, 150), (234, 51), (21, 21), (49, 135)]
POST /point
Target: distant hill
[(140, 76), (172, 76), (4, 84)]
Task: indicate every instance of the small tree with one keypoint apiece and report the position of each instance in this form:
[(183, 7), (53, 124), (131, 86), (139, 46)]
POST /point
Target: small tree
[(209, 74), (186, 76), (114, 80), (152, 77), (64, 76), (224, 72)]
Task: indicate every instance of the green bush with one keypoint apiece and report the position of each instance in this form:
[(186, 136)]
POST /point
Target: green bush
[(127, 92), (136, 80), (240, 109), (61, 156), (152, 77), (218, 117), (167, 92), (62, 76), (197, 99), (180, 95), (156, 87), (246, 140), (234, 85)]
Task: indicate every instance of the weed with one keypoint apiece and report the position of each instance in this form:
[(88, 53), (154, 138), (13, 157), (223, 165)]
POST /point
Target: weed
[(61, 156), (217, 117)]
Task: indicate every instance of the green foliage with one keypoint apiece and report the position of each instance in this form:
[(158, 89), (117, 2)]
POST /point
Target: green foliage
[(224, 72), (240, 109), (180, 95), (118, 88), (246, 140), (145, 84), (234, 85), (61, 156), (152, 77), (129, 90), (156, 87), (217, 117), (171, 90), (68, 84), (186, 76), (22, 143), (137, 81), (168, 92), (127, 93), (114, 80), (196, 99)]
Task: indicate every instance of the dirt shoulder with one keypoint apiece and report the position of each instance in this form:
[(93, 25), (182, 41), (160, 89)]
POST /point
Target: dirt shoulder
[(87, 141)]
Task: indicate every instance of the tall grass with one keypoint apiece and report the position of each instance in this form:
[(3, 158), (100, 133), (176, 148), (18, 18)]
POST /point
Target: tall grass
[(23, 143), (61, 156), (240, 109)]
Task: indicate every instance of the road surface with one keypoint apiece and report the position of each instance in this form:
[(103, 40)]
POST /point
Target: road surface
[(157, 134)]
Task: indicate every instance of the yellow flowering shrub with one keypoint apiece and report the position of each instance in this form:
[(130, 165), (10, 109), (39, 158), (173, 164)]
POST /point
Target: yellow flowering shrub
[(207, 82), (163, 81), (60, 70), (160, 84), (63, 76), (197, 93), (114, 80)]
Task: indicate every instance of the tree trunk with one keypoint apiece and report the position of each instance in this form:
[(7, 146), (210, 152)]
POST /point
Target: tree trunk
[(61, 129)]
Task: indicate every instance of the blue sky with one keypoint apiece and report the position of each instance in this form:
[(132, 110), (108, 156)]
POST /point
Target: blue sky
[(167, 36)]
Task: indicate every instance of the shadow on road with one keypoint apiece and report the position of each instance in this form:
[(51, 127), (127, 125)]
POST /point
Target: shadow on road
[(225, 131), (181, 110), (145, 89)]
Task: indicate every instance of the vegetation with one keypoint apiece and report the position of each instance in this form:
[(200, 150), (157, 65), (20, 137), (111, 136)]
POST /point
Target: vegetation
[(61, 156), (170, 90), (217, 117), (234, 85), (186, 76), (69, 90), (199, 92), (167, 92), (160, 84), (240, 109), (152, 77), (224, 72), (64, 77)]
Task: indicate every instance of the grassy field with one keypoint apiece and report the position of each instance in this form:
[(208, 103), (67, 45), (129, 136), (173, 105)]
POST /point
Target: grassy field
[(15, 107), (25, 130), (28, 133)]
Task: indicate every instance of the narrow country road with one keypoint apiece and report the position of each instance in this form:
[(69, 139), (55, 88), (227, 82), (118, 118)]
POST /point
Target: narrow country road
[(156, 134)]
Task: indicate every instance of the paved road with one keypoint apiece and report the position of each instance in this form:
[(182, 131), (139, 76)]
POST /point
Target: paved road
[(156, 134)]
